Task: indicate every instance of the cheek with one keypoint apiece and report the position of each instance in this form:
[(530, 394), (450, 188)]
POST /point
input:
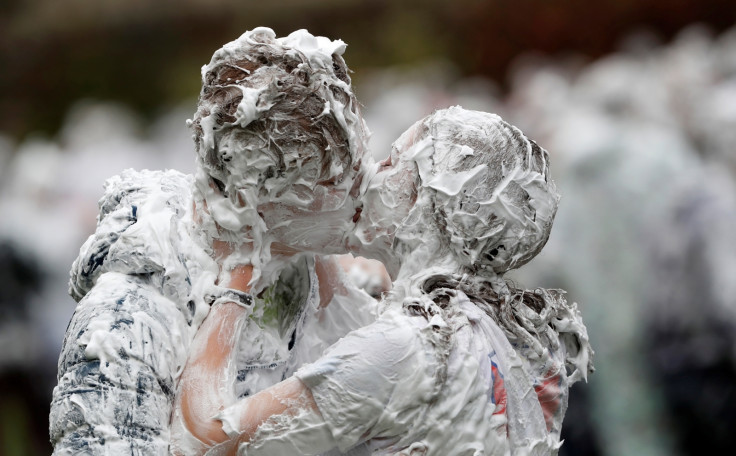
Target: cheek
[(380, 212), (399, 193), (388, 198)]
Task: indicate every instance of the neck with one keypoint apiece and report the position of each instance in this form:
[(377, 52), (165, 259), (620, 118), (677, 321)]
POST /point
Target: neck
[(424, 253), (431, 255)]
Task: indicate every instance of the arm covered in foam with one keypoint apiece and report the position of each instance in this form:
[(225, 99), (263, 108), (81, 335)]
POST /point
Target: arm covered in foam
[(374, 383), (283, 419), (365, 392), (201, 420)]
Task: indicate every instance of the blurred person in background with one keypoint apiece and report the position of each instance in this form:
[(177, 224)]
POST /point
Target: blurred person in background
[(23, 375)]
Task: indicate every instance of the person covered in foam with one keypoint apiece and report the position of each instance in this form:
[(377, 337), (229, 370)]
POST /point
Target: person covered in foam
[(282, 152), (280, 144), (458, 362)]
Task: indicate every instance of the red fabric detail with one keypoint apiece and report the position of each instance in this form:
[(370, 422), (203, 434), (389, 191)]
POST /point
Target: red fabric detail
[(549, 394)]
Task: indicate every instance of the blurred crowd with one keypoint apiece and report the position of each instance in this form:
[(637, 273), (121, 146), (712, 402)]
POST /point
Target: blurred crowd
[(641, 143)]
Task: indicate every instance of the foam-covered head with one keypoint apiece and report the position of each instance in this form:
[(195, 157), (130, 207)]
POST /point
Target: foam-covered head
[(280, 147), (277, 124), (464, 185)]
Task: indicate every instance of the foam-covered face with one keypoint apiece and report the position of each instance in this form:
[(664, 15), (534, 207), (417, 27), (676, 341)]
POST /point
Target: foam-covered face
[(294, 210), (280, 144), (494, 198), (278, 125)]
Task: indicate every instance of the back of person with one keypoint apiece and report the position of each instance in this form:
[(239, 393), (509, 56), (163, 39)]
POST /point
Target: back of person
[(438, 377), (137, 282), (493, 392)]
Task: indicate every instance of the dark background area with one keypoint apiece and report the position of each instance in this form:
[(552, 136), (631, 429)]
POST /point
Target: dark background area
[(146, 54)]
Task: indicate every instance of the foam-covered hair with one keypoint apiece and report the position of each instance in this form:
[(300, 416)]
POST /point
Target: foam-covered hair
[(289, 102), (485, 204), (277, 125), (483, 186)]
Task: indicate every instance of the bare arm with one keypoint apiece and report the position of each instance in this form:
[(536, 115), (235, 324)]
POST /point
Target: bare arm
[(330, 279), (205, 388), (366, 274)]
